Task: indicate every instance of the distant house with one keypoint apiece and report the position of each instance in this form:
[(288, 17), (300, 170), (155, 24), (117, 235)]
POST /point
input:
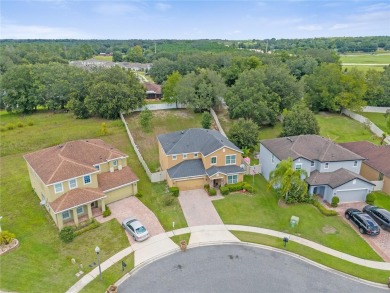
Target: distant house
[(153, 90), (332, 170), (197, 156), (135, 66), (76, 180), (376, 166)]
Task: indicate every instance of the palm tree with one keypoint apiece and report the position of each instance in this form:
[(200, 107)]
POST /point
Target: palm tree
[(288, 179)]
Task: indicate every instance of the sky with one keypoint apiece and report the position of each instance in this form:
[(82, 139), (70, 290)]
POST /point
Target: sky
[(201, 19)]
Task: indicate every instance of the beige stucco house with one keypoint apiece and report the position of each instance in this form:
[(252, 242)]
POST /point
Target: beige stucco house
[(197, 156), (376, 166), (76, 180)]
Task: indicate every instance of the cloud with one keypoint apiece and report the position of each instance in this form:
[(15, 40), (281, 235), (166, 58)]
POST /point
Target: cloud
[(116, 9), (162, 6), (341, 26), (310, 27), (15, 31), (376, 7)]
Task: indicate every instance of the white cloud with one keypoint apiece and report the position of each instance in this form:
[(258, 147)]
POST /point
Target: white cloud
[(162, 6), (310, 27), (15, 31), (376, 7), (341, 26), (285, 21), (116, 9)]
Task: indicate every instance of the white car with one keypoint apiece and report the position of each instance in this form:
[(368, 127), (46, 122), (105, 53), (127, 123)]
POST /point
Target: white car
[(136, 229)]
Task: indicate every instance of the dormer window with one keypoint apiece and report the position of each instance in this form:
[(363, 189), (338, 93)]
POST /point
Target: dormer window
[(115, 163), (195, 155), (184, 156), (174, 157)]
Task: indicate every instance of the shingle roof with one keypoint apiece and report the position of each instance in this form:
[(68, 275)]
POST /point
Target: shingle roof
[(333, 179), (190, 168), (224, 170), (193, 140), (110, 180), (377, 157), (71, 159), (76, 197), (311, 147), (152, 87)]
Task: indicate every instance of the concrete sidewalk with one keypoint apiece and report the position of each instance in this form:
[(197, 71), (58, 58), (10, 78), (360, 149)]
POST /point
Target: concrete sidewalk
[(161, 245)]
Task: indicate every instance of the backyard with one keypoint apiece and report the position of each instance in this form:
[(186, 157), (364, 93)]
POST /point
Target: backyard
[(378, 119)]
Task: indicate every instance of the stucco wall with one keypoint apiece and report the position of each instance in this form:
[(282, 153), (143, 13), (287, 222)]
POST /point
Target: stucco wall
[(266, 161), (221, 157), (386, 184), (333, 166), (121, 193), (369, 173)]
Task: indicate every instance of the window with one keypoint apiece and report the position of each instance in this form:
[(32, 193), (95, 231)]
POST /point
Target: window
[(195, 155), (87, 179), (184, 156), (58, 188), (232, 179), (72, 183), (326, 165), (115, 163), (230, 160), (66, 215), (213, 160), (80, 210), (312, 164), (174, 157), (298, 166), (97, 167), (272, 158), (355, 164)]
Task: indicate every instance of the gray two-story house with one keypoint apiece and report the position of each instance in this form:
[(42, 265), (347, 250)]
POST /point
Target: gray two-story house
[(332, 170)]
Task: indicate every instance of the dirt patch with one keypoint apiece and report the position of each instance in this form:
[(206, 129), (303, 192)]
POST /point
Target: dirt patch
[(9, 247), (329, 229), (282, 204)]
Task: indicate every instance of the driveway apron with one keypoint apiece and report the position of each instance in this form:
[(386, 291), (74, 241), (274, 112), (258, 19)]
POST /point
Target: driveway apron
[(133, 207), (198, 208)]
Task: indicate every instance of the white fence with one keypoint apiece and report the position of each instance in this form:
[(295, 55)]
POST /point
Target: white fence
[(217, 122), (375, 129), (375, 109), (154, 177), (378, 185), (162, 106)]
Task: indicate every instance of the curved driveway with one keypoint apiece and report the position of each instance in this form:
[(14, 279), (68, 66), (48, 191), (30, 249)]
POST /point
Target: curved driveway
[(237, 268)]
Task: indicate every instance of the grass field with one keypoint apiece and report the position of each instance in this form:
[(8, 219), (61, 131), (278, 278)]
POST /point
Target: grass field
[(363, 68), (103, 58), (382, 200), (366, 58), (163, 121), (378, 276), (263, 210), (378, 119)]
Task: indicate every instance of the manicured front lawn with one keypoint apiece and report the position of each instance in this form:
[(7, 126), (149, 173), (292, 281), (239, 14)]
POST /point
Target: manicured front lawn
[(378, 119), (179, 238), (262, 210), (373, 275), (382, 200), (163, 121)]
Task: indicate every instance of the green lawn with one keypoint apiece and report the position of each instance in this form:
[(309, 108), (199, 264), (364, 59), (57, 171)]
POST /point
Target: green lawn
[(382, 200), (263, 210), (378, 119), (373, 275), (181, 237), (363, 68), (366, 58), (164, 121), (103, 58)]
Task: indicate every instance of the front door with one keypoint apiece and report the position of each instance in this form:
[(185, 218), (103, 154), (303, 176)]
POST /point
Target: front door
[(217, 183), (94, 204)]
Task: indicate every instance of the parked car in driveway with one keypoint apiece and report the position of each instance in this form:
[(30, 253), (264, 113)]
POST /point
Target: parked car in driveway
[(381, 216), (136, 229), (363, 221)]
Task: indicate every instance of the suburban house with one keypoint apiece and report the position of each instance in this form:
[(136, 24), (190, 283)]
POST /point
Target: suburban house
[(197, 156), (376, 167), (332, 170), (76, 180), (153, 90)]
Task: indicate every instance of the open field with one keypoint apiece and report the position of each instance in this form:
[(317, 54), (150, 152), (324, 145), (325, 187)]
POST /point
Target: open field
[(264, 210), (364, 68), (366, 58), (163, 121), (103, 58), (378, 119)]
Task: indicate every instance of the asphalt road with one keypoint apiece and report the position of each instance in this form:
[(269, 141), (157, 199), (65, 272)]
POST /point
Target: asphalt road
[(237, 268)]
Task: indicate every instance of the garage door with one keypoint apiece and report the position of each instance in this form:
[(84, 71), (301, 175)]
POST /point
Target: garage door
[(352, 195), (190, 184)]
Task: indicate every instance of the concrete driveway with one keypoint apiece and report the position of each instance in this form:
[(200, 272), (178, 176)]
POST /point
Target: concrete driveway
[(133, 207), (380, 243), (198, 208)]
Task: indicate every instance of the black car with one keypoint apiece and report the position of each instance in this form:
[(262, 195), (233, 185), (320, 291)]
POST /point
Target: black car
[(363, 221), (381, 216)]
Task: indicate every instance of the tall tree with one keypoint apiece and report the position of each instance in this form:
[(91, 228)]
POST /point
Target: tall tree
[(169, 87), (299, 120), (244, 134)]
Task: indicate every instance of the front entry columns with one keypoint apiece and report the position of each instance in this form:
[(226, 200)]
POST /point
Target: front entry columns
[(75, 217), (89, 210)]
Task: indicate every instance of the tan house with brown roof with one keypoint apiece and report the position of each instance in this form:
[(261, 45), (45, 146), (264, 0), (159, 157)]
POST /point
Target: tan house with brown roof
[(376, 166), (76, 180)]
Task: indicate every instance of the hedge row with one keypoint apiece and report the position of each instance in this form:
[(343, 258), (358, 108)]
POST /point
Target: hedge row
[(323, 209)]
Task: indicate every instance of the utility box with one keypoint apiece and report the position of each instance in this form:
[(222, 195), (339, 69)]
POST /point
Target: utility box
[(294, 221)]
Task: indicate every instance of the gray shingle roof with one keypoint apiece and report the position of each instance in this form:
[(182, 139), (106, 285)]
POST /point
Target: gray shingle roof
[(205, 141), (334, 179), (224, 170), (311, 147), (190, 168)]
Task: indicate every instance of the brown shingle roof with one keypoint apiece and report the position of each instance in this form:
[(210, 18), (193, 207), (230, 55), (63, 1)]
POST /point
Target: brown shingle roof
[(153, 87), (76, 197), (333, 179), (311, 147), (110, 180), (377, 157), (72, 159)]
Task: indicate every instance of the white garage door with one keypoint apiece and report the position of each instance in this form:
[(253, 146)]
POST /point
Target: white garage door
[(352, 195)]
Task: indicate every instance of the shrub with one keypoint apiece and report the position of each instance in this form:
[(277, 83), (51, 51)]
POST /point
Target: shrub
[(2, 129), (335, 201), (212, 191), (6, 237), (20, 124), (10, 126), (247, 187), (323, 209), (90, 226), (138, 195), (206, 120), (67, 234), (168, 200), (370, 199), (206, 187), (30, 123), (224, 190), (174, 191), (235, 186), (107, 212)]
